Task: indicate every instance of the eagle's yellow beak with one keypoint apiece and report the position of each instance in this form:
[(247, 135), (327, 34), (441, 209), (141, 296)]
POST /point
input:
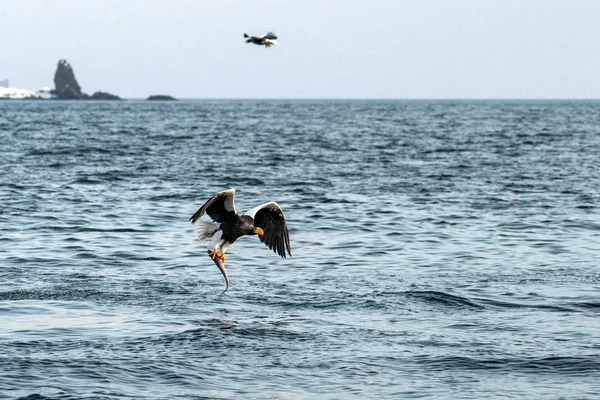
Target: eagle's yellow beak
[(259, 231)]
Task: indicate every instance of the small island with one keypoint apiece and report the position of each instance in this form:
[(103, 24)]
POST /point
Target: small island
[(66, 86), (104, 96), (161, 97)]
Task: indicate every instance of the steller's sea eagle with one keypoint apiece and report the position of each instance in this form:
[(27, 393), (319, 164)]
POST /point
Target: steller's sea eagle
[(266, 40), (266, 220)]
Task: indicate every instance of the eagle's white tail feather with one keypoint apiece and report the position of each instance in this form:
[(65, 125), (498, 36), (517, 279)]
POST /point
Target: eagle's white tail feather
[(205, 230), (272, 41)]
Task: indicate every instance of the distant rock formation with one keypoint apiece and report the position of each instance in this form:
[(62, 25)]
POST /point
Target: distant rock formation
[(65, 84), (67, 88), (161, 97), (104, 96)]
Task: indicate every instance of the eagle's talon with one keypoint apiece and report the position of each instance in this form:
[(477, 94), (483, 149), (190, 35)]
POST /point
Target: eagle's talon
[(213, 253)]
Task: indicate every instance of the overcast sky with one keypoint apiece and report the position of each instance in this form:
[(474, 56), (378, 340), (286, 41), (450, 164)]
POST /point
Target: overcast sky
[(328, 49)]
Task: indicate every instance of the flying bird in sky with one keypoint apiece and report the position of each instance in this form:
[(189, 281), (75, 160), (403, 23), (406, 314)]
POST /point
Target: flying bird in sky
[(266, 220), (267, 40)]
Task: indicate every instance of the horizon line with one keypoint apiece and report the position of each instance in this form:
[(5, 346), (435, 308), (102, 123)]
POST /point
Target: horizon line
[(402, 99), (387, 98)]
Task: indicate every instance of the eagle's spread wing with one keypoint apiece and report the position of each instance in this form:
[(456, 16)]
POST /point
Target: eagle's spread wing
[(269, 217), (221, 207), (270, 36)]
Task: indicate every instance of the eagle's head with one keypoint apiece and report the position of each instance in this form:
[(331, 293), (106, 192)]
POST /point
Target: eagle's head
[(249, 228)]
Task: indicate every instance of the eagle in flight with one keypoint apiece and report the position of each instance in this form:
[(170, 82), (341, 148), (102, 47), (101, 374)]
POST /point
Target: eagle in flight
[(266, 220), (267, 40)]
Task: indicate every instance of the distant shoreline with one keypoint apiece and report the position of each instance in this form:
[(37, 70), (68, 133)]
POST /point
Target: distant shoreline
[(316, 99)]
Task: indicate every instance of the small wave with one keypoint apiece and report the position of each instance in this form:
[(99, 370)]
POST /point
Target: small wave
[(316, 304), (51, 294), (213, 323), (112, 176), (595, 306), (581, 365), (46, 152), (34, 396), (565, 307), (108, 230), (507, 304), (86, 181), (443, 298), (260, 330), (442, 150)]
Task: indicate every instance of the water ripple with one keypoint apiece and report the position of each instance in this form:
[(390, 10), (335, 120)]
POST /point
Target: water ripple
[(441, 250)]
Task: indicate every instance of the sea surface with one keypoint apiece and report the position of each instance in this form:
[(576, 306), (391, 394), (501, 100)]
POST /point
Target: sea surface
[(441, 250)]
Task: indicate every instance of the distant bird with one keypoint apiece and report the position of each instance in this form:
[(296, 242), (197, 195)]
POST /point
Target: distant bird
[(267, 40), (267, 221)]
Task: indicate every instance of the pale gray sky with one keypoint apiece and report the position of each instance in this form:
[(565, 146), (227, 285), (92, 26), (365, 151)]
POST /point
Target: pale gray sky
[(328, 49)]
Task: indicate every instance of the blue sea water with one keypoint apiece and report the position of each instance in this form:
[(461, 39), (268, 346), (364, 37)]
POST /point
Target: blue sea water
[(441, 250)]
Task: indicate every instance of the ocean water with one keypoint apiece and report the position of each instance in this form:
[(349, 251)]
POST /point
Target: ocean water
[(441, 250)]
